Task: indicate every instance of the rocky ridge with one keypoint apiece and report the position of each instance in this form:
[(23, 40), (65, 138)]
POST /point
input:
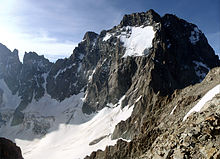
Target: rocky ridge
[(165, 135)]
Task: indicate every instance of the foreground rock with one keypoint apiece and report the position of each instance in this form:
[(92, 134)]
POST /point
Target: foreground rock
[(9, 150)]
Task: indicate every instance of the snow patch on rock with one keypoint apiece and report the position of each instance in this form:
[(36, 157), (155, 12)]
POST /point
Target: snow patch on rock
[(173, 110), (195, 35), (137, 40), (64, 70), (107, 37), (208, 96), (199, 69)]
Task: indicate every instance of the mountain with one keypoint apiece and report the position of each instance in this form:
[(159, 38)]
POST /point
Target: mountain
[(165, 133), (117, 86)]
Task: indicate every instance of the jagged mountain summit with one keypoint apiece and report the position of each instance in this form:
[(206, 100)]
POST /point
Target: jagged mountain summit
[(118, 84)]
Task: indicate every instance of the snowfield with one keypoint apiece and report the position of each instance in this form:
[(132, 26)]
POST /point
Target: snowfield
[(72, 134), (208, 96), (139, 41), (136, 40)]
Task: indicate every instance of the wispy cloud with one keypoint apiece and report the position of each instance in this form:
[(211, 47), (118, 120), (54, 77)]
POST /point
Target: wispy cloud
[(55, 27), (40, 43), (51, 27)]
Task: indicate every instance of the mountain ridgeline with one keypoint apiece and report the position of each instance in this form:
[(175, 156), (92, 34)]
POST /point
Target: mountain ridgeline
[(112, 64), (170, 64)]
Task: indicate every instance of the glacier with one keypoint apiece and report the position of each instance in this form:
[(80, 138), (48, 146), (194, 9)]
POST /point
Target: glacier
[(72, 133)]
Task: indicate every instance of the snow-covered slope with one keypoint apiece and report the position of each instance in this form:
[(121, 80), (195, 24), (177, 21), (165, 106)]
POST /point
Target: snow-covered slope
[(137, 40), (53, 129), (9, 101), (70, 133)]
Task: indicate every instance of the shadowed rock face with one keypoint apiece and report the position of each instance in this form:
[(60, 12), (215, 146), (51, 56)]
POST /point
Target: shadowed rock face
[(10, 67), (9, 150), (32, 78), (171, 63)]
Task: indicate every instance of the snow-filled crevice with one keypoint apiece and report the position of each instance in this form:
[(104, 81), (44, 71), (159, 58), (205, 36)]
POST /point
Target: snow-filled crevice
[(208, 96)]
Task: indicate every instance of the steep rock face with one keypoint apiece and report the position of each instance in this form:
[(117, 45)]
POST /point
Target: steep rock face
[(9, 150), (10, 67), (32, 79), (33, 73), (69, 76), (179, 56)]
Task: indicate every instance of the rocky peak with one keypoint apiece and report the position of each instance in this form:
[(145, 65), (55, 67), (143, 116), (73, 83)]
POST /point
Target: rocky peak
[(90, 36), (8, 57), (33, 61), (3, 49), (138, 19), (175, 59), (15, 51), (10, 67), (32, 75), (31, 79), (182, 50)]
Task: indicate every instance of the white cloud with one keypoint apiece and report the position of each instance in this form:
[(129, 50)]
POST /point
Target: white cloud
[(42, 44), (16, 34), (52, 28)]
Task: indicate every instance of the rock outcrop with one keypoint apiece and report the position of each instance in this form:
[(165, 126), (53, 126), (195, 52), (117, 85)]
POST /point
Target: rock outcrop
[(9, 150)]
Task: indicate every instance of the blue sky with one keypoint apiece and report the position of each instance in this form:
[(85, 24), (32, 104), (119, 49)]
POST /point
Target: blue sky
[(55, 27)]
